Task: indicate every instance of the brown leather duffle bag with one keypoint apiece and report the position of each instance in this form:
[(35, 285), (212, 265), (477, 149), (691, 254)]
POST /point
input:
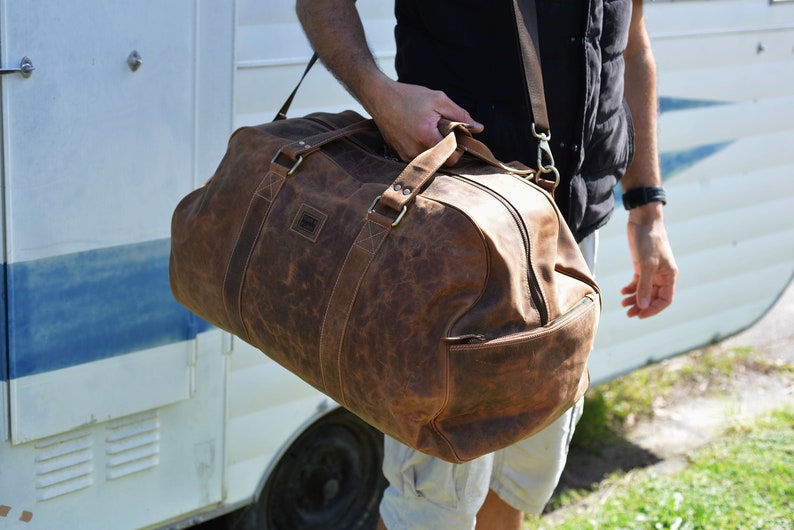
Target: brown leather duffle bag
[(450, 308)]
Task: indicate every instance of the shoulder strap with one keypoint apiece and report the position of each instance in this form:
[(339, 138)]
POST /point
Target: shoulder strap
[(282, 113), (526, 16)]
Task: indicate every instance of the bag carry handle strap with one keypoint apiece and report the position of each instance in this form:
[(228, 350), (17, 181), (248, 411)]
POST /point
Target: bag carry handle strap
[(468, 144), (300, 149), (416, 174), (526, 18), (422, 168)]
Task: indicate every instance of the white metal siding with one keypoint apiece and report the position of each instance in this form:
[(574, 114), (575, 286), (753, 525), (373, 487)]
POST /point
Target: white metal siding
[(94, 158)]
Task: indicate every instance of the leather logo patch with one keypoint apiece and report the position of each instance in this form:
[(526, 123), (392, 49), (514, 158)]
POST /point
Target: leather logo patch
[(308, 222)]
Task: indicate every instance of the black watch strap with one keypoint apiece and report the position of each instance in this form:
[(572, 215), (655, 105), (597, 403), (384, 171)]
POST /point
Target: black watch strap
[(640, 196)]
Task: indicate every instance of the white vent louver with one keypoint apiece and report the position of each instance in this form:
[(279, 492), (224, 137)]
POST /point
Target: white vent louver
[(64, 464), (132, 445)]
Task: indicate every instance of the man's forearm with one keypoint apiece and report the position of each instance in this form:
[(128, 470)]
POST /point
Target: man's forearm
[(640, 93), (336, 33)]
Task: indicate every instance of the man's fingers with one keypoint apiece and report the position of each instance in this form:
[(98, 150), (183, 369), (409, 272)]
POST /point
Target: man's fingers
[(644, 289), (659, 297), (453, 112)]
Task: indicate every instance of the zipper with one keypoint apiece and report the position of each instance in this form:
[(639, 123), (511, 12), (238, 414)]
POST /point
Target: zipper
[(573, 313), (469, 338), (534, 289)]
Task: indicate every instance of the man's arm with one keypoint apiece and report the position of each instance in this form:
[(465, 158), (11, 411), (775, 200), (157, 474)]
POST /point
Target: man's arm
[(655, 271), (407, 115)]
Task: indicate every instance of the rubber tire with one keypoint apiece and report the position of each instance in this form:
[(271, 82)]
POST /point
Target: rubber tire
[(330, 478)]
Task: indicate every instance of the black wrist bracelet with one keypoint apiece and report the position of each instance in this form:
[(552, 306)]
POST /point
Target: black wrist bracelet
[(639, 196)]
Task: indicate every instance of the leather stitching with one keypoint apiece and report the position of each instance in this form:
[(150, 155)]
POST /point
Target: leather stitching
[(368, 238), (270, 183)]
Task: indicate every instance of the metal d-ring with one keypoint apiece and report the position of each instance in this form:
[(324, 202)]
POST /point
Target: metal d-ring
[(294, 166), (399, 217)]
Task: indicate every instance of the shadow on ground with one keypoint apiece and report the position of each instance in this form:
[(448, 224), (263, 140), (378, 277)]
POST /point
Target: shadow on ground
[(598, 451), (585, 469)]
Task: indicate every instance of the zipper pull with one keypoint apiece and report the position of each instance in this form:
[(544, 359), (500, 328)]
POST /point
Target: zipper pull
[(471, 338)]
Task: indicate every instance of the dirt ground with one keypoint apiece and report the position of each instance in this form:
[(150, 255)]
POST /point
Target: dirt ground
[(695, 416)]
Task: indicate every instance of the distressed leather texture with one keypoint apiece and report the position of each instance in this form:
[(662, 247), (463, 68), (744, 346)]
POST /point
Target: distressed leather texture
[(459, 330)]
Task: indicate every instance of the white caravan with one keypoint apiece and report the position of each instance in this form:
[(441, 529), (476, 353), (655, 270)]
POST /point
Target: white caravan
[(119, 409)]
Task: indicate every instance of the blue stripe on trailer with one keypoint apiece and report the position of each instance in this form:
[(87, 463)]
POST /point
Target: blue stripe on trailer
[(77, 308)]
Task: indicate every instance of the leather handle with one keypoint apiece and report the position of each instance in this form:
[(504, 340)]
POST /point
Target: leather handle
[(310, 144), (468, 144), (446, 126), (418, 172), (422, 168)]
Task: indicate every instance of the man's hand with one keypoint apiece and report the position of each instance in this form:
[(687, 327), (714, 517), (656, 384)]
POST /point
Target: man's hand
[(655, 271), (408, 115)]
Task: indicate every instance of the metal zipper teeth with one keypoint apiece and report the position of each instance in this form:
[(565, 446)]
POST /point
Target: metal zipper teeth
[(534, 289)]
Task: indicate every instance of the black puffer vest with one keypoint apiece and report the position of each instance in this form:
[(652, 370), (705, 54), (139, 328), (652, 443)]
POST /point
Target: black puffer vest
[(469, 49)]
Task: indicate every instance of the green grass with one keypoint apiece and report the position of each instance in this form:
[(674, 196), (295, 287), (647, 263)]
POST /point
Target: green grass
[(743, 481)]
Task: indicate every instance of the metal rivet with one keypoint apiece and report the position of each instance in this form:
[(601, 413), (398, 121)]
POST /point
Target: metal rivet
[(397, 187), (407, 191), (134, 60)]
